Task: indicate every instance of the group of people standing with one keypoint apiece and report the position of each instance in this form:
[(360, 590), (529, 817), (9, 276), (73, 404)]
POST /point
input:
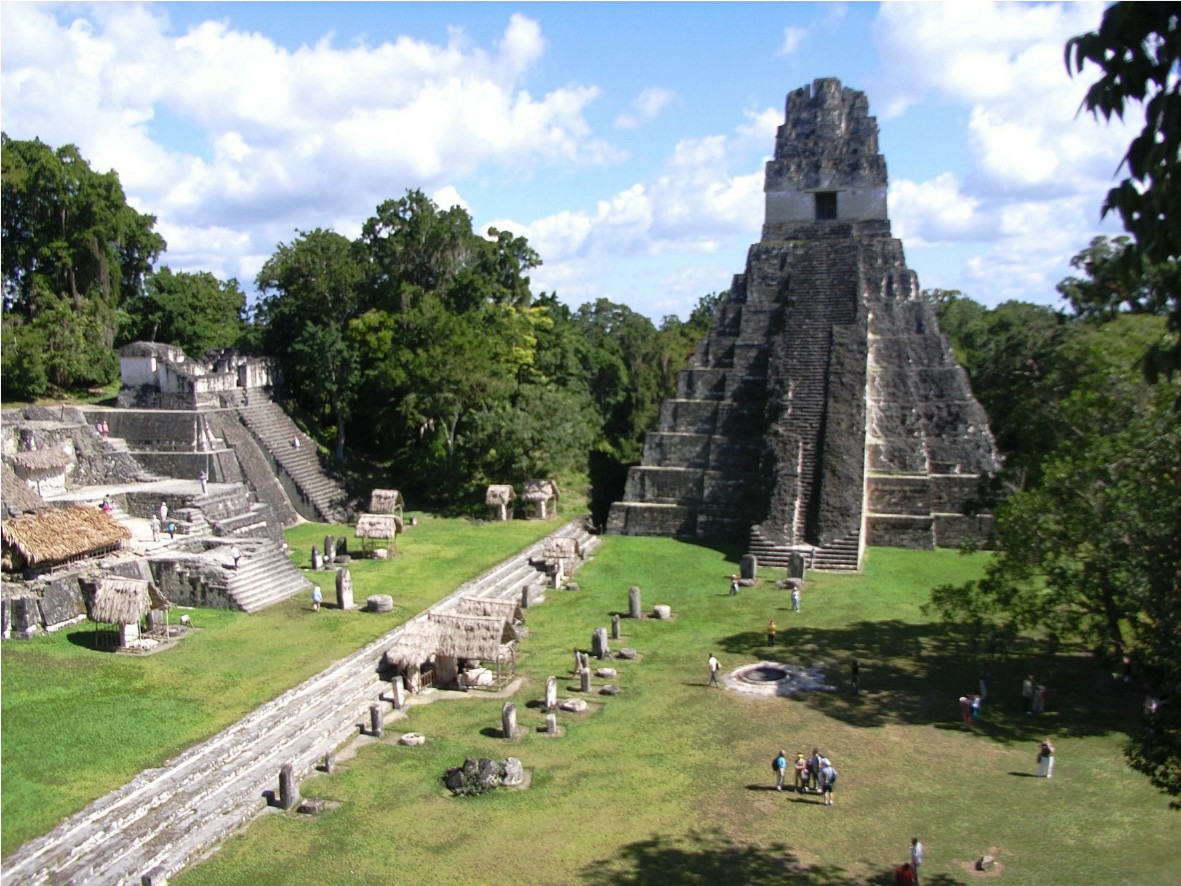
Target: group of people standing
[(813, 775)]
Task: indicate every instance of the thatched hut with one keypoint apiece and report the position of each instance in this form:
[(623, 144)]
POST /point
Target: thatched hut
[(498, 499), (539, 495), (17, 497), (448, 649), (53, 536), (560, 556), (43, 470), (378, 532), (386, 501), (507, 610), (123, 602)]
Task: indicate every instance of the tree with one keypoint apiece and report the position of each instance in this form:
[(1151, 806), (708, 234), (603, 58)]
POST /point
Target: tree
[(1138, 47), (311, 291), (72, 250), (195, 311)]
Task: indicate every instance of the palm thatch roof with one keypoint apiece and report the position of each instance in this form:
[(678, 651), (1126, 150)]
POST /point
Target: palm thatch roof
[(539, 490), (119, 601), (470, 636), (57, 535), (505, 610), (53, 459), (17, 496), (385, 501), (458, 636), (379, 526), (499, 495)]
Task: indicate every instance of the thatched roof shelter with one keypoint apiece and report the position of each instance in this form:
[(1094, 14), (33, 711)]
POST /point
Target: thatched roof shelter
[(18, 497), (41, 460), (506, 610), (53, 536), (386, 501), (540, 490), (378, 531), (119, 601), (470, 636), (378, 526), (499, 495)]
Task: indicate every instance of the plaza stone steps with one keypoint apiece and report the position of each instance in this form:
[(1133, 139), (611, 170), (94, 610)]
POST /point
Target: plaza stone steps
[(167, 818), (840, 555)]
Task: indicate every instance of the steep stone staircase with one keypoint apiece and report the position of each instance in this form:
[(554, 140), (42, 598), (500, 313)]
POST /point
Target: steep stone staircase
[(166, 818), (314, 494)]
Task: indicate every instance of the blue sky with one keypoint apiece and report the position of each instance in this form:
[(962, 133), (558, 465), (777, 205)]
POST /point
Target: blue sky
[(625, 140)]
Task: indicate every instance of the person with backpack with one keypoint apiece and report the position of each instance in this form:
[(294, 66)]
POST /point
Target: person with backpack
[(828, 781), (779, 767)]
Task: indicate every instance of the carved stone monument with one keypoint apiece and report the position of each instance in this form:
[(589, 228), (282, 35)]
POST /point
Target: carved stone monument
[(288, 790), (615, 626), (551, 693), (633, 603), (508, 720), (344, 589), (825, 398), (600, 648)]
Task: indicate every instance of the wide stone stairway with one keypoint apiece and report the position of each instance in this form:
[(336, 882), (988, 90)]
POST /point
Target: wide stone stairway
[(166, 818), (274, 430)]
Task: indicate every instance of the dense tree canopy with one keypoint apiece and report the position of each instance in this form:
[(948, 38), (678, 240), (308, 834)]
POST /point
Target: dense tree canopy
[(198, 312), (72, 251)]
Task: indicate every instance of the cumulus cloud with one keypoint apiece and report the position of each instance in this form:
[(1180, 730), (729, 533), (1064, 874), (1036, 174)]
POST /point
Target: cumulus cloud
[(792, 38), (290, 137), (645, 107)]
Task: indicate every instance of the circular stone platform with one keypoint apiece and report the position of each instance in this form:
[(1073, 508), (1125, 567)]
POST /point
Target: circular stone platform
[(771, 679)]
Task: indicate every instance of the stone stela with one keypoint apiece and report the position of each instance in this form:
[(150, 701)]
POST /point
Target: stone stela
[(825, 411)]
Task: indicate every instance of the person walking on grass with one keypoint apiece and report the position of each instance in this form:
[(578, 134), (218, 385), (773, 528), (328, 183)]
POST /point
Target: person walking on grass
[(733, 585), (801, 768), (916, 858), (1028, 688), (795, 599), (714, 664), (828, 781), (771, 631), (855, 676), (1045, 759), (779, 767), (317, 598)]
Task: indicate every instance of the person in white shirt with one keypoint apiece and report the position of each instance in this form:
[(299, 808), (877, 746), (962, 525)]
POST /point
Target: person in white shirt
[(916, 858)]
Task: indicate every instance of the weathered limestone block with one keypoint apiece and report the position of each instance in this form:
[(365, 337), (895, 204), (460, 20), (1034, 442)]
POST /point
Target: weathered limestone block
[(488, 774), (662, 611), (606, 673), (375, 722), (615, 626), (379, 603), (609, 689), (748, 567), (551, 724), (344, 590), (288, 789), (513, 772), (508, 721), (317, 559), (413, 739), (584, 680), (574, 705), (329, 549), (398, 692), (600, 648), (626, 653), (551, 693), (633, 603)]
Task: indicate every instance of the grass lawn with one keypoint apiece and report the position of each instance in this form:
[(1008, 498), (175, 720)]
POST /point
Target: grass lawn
[(78, 723), (669, 782)]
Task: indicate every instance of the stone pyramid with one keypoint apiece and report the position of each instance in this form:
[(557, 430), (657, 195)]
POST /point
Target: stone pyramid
[(825, 410)]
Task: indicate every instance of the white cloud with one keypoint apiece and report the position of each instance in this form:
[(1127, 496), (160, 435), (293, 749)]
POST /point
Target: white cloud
[(645, 107), (792, 38)]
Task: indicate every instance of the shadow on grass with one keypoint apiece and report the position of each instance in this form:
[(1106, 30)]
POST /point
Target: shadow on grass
[(711, 858), (95, 641), (914, 674)]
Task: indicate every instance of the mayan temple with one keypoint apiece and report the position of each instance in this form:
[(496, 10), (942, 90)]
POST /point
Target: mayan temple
[(825, 411)]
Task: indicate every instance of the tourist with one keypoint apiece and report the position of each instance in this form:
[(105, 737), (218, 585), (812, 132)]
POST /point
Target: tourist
[(779, 767), (236, 554), (1045, 759), (814, 771), (171, 529), (1039, 699), (771, 631), (795, 599), (828, 781), (904, 876), (855, 676), (916, 858), (1027, 691), (107, 505), (985, 679), (317, 598), (801, 767), (106, 430), (965, 712), (163, 512), (204, 478), (155, 524), (733, 585), (713, 670), (295, 442)]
